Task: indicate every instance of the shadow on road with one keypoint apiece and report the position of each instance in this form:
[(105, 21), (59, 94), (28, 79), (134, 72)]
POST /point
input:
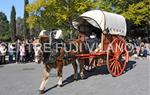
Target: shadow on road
[(50, 88), (130, 65), (102, 70), (27, 69), (1, 66)]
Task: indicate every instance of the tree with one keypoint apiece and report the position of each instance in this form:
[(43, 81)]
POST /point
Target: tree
[(4, 23), (4, 27), (13, 23), (136, 13), (50, 14), (19, 26), (138, 16), (25, 27)]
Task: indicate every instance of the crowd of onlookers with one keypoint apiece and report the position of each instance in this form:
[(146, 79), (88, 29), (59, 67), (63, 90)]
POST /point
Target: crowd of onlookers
[(22, 51), (19, 52), (141, 47)]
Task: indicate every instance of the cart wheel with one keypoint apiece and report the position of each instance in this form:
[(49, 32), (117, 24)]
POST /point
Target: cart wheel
[(117, 57)]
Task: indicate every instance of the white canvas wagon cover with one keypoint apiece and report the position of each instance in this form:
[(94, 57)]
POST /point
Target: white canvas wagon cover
[(103, 20)]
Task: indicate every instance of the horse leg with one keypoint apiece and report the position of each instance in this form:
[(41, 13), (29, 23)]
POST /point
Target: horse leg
[(60, 65), (81, 64), (75, 67), (46, 71)]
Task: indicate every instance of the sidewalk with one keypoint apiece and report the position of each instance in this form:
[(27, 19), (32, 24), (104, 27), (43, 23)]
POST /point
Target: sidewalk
[(133, 58)]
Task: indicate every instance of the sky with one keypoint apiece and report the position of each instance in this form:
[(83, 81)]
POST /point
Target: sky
[(6, 5)]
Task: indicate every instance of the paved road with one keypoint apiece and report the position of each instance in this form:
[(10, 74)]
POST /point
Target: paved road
[(24, 79)]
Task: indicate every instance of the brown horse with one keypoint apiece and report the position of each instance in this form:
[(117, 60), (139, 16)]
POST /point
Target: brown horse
[(77, 43), (58, 62)]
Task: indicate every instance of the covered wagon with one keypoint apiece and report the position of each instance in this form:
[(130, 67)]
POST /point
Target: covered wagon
[(111, 29)]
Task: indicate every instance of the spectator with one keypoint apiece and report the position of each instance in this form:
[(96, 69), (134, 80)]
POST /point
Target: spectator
[(148, 49), (18, 50), (143, 51), (137, 45), (11, 52), (22, 52), (138, 41), (3, 50), (30, 51)]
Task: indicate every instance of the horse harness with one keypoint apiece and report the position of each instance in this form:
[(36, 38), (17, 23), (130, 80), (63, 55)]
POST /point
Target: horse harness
[(52, 53)]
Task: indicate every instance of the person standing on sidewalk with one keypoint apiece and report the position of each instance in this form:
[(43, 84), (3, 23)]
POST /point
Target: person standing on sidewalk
[(18, 51), (3, 50), (11, 52), (22, 52)]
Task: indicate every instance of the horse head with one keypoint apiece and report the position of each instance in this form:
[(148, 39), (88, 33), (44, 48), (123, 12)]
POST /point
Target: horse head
[(45, 37)]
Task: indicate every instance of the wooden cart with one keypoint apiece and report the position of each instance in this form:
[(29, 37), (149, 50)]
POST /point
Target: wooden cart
[(111, 29)]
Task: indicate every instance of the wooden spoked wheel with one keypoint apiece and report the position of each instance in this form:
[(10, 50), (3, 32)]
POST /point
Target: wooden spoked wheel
[(117, 57)]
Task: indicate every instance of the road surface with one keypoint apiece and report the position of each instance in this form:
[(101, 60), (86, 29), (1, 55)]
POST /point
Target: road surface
[(24, 79)]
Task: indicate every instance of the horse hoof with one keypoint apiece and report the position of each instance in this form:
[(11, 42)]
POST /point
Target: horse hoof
[(41, 91), (83, 77), (59, 85), (75, 79)]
